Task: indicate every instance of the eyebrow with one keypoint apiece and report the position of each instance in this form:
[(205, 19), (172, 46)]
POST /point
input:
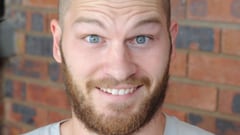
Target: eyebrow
[(88, 21), (100, 24), (153, 20)]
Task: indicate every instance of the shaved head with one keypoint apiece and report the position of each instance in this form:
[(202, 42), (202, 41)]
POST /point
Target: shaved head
[(64, 4), (62, 9)]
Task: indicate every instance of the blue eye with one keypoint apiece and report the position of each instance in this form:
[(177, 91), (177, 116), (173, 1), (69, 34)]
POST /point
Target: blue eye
[(141, 39), (93, 39)]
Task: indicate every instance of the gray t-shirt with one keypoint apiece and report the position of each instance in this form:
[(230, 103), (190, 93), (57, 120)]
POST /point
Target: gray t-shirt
[(173, 127)]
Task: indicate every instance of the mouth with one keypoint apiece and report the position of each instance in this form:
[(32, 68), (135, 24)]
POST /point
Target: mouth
[(119, 92)]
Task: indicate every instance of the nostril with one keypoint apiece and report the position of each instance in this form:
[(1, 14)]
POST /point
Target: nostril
[(120, 71)]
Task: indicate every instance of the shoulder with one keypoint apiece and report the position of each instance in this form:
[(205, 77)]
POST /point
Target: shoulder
[(52, 129), (177, 127)]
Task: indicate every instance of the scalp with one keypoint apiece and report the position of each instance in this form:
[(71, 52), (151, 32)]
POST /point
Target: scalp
[(63, 6)]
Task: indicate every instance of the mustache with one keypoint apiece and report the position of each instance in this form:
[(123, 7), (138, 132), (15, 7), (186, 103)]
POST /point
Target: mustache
[(111, 82)]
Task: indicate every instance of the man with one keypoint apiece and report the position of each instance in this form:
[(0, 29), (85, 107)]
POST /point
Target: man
[(115, 55)]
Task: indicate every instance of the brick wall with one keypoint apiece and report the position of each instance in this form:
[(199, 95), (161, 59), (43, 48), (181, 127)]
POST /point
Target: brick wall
[(2, 61), (33, 89), (204, 88)]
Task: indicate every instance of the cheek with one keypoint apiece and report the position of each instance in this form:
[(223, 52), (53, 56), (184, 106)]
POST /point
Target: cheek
[(81, 68), (155, 62), (77, 63)]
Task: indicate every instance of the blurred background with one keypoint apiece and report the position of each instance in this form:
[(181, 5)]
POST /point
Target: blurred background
[(204, 88)]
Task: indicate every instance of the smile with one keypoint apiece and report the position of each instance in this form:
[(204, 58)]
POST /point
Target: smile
[(118, 92)]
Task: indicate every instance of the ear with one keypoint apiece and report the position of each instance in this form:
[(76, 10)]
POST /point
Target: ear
[(173, 32), (56, 33)]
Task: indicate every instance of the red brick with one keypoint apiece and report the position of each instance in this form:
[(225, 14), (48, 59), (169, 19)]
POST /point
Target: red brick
[(18, 93), (11, 129), (214, 68), (179, 114), (57, 116), (41, 117), (28, 20), (231, 42), (178, 9), (225, 103), (179, 64), (214, 10), (47, 96), (192, 96), (27, 129), (40, 3), (35, 68), (1, 110)]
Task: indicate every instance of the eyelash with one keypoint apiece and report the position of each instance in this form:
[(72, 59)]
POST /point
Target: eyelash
[(129, 40), (150, 38), (87, 38)]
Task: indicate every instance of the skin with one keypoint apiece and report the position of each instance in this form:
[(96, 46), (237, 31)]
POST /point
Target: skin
[(117, 56)]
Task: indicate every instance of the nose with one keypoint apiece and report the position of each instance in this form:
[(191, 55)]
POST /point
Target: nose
[(119, 63)]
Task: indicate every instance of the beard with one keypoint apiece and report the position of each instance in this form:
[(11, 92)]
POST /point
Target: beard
[(113, 125)]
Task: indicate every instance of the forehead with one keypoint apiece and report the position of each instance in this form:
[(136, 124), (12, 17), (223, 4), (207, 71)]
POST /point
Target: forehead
[(112, 3), (114, 9)]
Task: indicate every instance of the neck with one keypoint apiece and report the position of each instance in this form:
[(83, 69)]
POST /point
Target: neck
[(154, 127)]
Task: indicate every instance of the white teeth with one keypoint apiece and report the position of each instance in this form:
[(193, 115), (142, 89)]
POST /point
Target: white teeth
[(115, 92), (108, 90), (121, 92), (118, 92), (126, 91)]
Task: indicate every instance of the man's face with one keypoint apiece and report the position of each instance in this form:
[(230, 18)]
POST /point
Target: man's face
[(115, 56)]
